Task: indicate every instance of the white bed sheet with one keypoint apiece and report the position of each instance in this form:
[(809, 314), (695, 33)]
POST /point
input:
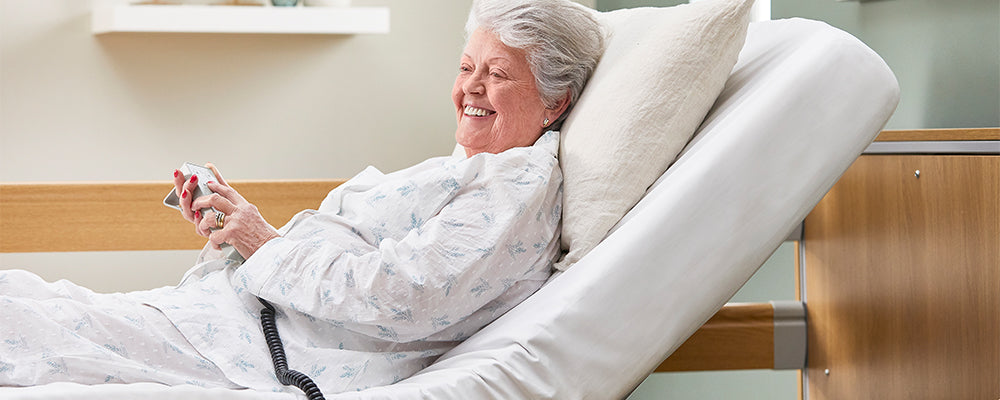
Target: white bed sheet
[(802, 103)]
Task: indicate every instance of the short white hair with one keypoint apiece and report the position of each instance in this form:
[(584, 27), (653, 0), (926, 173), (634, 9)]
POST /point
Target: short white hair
[(562, 39)]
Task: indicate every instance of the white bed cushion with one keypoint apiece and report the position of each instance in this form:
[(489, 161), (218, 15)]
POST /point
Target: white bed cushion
[(661, 72)]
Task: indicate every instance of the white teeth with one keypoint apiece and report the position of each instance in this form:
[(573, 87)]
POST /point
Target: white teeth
[(476, 112)]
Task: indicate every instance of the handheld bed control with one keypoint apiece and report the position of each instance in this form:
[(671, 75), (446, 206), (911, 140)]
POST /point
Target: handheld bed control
[(205, 175)]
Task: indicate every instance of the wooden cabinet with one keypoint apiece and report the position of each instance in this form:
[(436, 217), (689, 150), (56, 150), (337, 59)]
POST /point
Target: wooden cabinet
[(902, 279)]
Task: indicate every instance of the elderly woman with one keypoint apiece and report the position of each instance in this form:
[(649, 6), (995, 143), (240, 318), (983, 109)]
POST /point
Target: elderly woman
[(391, 271)]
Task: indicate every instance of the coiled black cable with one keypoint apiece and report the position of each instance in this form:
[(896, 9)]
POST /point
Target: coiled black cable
[(285, 376)]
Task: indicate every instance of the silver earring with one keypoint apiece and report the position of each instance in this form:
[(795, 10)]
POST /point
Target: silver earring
[(546, 122)]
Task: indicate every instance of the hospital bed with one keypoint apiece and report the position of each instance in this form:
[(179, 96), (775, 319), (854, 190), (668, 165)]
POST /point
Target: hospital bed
[(803, 101)]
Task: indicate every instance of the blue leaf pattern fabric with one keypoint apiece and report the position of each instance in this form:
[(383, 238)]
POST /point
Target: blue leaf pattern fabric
[(390, 272), (58, 331)]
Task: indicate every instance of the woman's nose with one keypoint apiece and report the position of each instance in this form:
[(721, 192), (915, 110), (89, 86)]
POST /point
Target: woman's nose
[(474, 84)]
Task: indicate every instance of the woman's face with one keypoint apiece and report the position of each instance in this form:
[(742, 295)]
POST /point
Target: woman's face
[(496, 100)]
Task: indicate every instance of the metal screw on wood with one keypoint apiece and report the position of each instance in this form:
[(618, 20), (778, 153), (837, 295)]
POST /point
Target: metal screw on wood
[(917, 174), (826, 372)]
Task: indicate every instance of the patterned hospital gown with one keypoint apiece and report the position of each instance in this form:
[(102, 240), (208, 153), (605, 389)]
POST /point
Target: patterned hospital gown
[(390, 272)]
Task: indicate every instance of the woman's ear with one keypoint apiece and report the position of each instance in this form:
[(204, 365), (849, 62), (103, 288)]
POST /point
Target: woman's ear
[(552, 114)]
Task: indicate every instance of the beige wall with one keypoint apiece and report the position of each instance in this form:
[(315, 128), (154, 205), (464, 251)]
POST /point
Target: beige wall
[(75, 106)]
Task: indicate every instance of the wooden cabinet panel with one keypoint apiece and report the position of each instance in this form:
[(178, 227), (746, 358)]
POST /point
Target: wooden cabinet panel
[(903, 281)]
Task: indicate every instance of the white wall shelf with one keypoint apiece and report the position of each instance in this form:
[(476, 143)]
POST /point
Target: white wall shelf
[(239, 19)]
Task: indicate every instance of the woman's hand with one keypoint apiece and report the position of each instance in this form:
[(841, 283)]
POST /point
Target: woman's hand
[(184, 189), (242, 225)]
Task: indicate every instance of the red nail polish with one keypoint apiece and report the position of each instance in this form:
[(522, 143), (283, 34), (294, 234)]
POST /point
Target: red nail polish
[(184, 195), (197, 214), (177, 172), (194, 178)]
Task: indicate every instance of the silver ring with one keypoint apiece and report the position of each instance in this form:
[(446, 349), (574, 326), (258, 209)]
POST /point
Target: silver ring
[(220, 220)]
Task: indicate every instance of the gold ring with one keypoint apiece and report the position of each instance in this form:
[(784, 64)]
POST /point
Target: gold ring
[(220, 220)]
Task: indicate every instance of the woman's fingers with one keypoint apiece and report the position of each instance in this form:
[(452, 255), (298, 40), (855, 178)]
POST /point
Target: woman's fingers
[(208, 227), (201, 225), (215, 200), (207, 223), (187, 196), (227, 192), (184, 187), (178, 182), (218, 175), (216, 238)]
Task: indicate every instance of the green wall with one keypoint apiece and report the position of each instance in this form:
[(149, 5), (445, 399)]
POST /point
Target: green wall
[(945, 53)]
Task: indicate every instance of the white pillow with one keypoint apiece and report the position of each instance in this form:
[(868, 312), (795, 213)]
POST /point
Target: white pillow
[(661, 73)]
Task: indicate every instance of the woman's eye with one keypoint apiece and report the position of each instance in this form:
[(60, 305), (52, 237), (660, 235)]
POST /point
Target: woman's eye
[(464, 68)]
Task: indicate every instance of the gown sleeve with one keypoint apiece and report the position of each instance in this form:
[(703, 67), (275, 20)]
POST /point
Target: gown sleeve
[(493, 229)]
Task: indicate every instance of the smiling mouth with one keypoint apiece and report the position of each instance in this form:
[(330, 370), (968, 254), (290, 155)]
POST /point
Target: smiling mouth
[(477, 112)]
